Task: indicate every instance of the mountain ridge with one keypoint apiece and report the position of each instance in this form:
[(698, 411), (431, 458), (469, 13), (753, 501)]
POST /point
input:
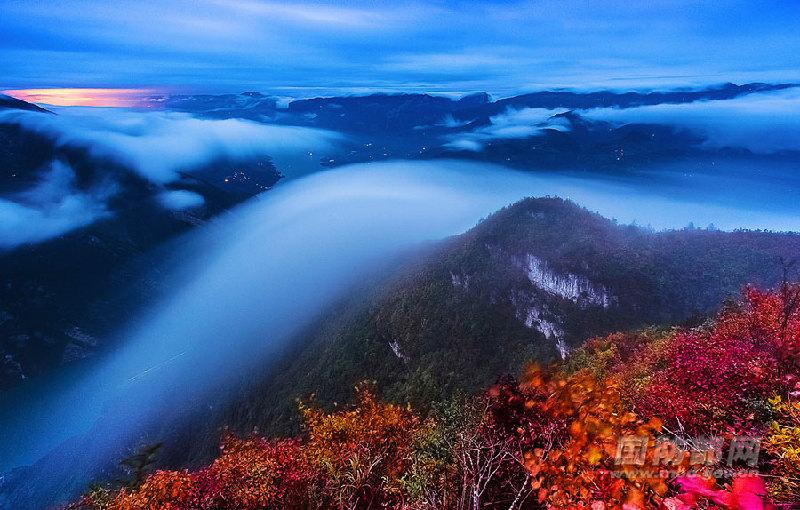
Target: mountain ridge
[(530, 282)]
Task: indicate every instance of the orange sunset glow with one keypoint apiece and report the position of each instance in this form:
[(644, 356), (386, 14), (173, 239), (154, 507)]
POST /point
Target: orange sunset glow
[(82, 96)]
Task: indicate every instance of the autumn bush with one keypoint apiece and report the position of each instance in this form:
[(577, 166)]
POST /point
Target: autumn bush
[(362, 452), (550, 439), (782, 443)]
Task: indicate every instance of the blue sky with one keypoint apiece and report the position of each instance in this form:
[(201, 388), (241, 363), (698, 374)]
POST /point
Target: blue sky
[(305, 47)]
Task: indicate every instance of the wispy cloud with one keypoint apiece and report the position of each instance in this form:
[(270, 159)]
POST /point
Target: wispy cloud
[(51, 208), (512, 124), (478, 59), (158, 145), (762, 123), (501, 46), (326, 16), (180, 199)]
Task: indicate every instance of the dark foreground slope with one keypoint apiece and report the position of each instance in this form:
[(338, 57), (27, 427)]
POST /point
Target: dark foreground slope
[(557, 437), (530, 282)]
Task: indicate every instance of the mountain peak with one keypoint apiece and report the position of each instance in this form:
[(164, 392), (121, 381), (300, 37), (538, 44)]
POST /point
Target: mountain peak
[(13, 103)]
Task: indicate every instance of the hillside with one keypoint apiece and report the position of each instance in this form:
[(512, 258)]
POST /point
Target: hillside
[(18, 104), (548, 440), (530, 282)]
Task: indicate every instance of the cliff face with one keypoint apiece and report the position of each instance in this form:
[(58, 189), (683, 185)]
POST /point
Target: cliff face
[(577, 289)]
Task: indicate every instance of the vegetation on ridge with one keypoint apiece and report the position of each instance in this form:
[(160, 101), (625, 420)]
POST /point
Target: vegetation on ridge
[(457, 316), (667, 419)]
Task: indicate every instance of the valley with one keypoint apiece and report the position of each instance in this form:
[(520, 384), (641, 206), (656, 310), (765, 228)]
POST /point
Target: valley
[(291, 252)]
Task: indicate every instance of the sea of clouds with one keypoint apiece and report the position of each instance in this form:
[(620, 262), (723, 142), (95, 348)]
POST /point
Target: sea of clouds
[(156, 146), (764, 123), (50, 208)]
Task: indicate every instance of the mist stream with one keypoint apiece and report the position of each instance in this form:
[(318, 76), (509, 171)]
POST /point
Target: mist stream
[(254, 277)]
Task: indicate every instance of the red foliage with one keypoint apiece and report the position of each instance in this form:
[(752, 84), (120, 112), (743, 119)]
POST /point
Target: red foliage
[(255, 473), (549, 441), (746, 493), (707, 380)]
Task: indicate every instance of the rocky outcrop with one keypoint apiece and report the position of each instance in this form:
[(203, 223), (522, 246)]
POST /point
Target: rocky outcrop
[(535, 315), (460, 280), (395, 346), (575, 288)]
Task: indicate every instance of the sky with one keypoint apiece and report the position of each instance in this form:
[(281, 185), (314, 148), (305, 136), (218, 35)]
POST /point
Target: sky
[(306, 47)]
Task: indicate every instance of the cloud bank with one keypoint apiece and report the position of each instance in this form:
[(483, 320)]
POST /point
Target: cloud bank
[(763, 122), (512, 124), (271, 265), (156, 146), (51, 208), (180, 199)]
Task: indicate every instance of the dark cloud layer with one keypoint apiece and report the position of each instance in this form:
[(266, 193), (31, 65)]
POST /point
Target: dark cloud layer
[(311, 47)]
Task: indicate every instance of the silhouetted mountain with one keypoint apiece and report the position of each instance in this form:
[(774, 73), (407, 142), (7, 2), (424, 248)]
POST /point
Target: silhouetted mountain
[(395, 113), (424, 126), (589, 145), (18, 104), (248, 105), (610, 99), (421, 126), (377, 113), (22, 154)]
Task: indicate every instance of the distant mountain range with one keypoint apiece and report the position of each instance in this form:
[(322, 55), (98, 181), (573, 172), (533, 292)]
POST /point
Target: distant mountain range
[(382, 113), (423, 126), (248, 105)]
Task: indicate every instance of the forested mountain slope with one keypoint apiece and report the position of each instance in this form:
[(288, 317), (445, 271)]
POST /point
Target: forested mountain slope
[(556, 437), (532, 281)]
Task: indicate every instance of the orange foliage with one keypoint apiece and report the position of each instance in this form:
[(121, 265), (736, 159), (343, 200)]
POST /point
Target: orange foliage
[(165, 490), (363, 451), (583, 468)]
